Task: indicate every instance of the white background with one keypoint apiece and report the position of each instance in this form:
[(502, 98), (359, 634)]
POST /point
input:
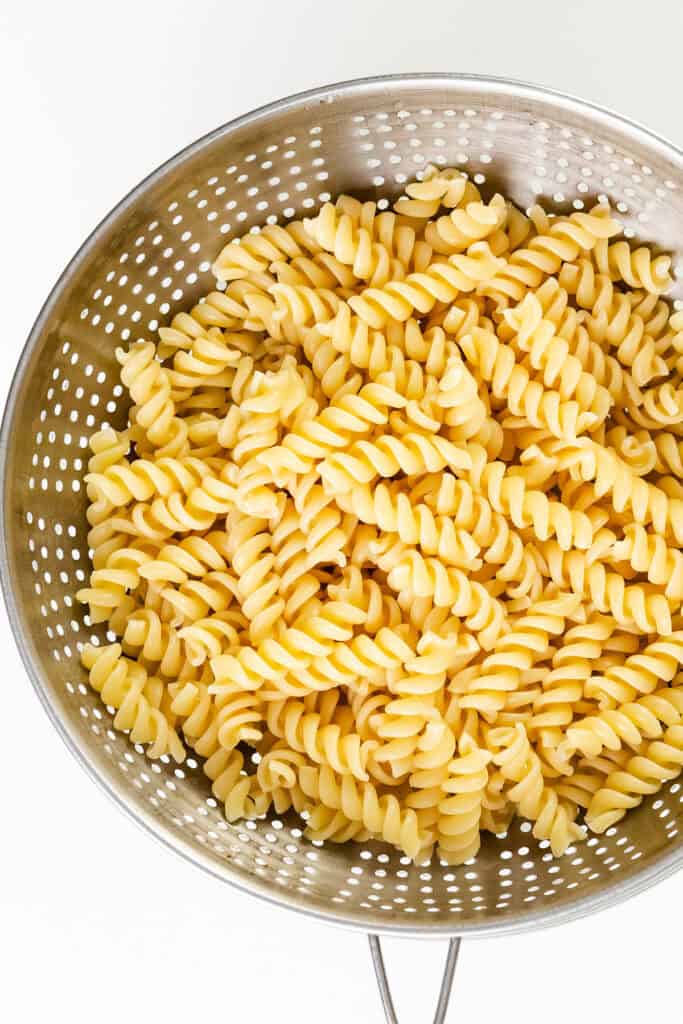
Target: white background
[(96, 921)]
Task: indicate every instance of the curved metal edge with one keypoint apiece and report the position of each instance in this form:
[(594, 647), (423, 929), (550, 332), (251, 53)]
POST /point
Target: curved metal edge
[(324, 94), (385, 991)]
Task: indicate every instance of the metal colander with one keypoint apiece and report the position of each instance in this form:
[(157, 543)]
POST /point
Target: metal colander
[(150, 258)]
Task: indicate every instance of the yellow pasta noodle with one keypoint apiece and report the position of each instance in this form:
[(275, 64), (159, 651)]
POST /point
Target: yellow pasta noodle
[(392, 537)]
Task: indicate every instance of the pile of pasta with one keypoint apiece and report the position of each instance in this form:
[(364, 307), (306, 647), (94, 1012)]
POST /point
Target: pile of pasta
[(393, 535)]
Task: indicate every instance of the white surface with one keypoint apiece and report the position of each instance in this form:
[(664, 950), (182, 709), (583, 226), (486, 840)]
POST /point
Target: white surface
[(97, 922)]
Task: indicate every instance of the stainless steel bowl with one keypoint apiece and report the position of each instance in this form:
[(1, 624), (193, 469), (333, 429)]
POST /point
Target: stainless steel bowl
[(151, 257)]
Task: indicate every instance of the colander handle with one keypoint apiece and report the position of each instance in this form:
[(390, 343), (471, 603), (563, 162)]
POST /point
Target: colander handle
[(383, 981)]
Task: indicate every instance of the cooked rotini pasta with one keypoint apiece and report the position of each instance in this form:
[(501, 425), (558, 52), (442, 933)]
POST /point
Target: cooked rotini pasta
[(391, 539)]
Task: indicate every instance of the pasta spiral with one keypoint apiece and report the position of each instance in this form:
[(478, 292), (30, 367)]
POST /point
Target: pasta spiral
[(460, 809), (553, 819), (643, 774), (440, 282), (377, 246), (614, 321), (527, 398), (531, 508), (445, 186), (207, 638), (516, 652), (641, 605), (325, 824), (293, 650), (456, 231), (630, 724), (143, 479), (382, 816), (413, 453), (450, 588), (549, 352), (573, 663), (150, 389), (636, 267), (639, 673), (651, 555), (125, 685), (563, 239), (322, 743), (611, 477), (464, 526), (238, 792), (154, 641), (304, 304), (344, 419), (257, 252), (210, 498)]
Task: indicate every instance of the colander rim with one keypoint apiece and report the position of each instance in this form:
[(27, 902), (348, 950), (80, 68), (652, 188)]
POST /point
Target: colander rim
[(520, 921)]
